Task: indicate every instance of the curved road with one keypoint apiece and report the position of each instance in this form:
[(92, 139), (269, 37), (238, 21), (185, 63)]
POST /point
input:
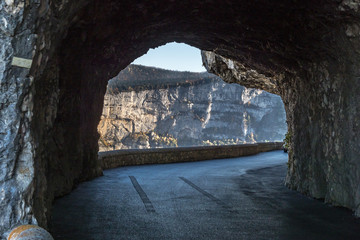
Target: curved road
[(239, 198)]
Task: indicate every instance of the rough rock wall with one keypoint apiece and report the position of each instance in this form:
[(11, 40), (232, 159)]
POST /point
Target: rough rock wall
[(310, 47), (30, 31), (324, 145), (208, 111), (17, 38), (326, 165)]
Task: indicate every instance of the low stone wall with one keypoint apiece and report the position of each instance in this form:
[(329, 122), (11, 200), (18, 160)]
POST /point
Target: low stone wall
[(119, 158)]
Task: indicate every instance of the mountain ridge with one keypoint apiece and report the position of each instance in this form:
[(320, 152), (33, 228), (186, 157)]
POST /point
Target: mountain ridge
[(138, 77)]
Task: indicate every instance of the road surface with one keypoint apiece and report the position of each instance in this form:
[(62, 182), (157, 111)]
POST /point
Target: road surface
[(239, 198)]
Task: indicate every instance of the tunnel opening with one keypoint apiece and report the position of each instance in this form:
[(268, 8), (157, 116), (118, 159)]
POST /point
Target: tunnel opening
[(99, 45), (82, 80), (299, 51), (159, 106)]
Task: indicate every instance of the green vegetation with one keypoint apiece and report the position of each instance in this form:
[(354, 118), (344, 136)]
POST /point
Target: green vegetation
[(104, 142), (222, 142), (167, 140), (154, 78), (287, 140), (251, 138), (139, 136)]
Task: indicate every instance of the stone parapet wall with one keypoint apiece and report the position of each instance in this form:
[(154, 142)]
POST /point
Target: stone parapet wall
[(120, 158)]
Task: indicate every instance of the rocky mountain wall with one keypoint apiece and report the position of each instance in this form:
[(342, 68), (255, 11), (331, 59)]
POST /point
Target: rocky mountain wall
[(203, 111)]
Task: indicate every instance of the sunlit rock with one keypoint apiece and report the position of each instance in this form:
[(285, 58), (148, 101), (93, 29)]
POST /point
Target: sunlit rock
[(29, 232), (185, 109)]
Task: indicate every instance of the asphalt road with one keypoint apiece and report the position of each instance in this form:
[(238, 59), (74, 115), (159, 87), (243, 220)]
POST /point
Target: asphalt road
[(240, 198)]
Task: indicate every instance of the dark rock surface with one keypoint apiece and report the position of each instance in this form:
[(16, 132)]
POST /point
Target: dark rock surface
[(324, 146), (50, 112), (147, 107)]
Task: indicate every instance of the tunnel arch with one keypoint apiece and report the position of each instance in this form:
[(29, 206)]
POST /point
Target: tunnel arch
[(144, 105), (107, 36), (308, 51)]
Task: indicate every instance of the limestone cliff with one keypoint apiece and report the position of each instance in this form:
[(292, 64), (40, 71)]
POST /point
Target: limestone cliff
[(147, 107)]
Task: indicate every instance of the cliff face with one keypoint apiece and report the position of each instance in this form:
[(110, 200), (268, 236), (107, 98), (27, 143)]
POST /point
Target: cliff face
[(185, 109)]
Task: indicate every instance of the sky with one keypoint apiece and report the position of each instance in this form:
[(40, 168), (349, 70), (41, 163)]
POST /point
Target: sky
[(173, 56)]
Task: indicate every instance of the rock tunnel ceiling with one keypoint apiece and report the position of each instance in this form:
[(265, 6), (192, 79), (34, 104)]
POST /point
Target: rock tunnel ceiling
[(305, 51)]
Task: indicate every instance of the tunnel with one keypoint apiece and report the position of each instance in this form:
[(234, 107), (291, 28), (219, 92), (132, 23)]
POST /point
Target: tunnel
[(58, 55)]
